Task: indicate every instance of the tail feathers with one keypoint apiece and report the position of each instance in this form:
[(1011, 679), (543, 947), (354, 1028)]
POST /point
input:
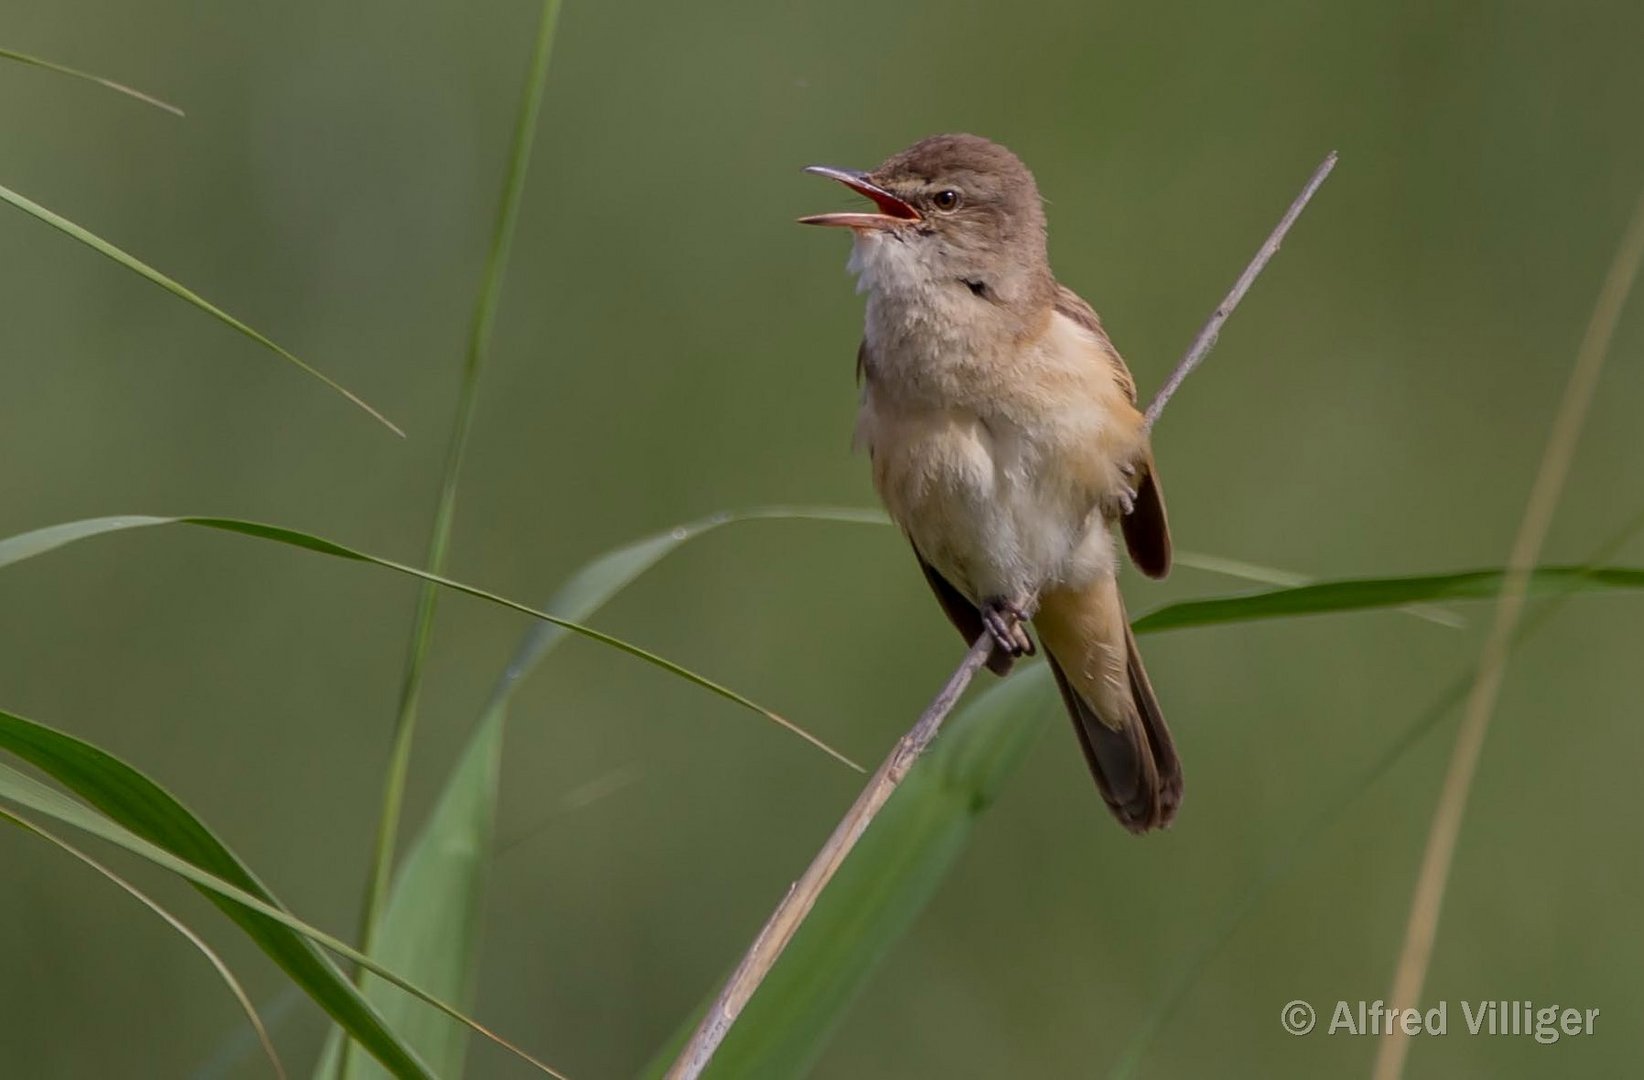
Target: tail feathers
[(1167, 764), (1134, 762)]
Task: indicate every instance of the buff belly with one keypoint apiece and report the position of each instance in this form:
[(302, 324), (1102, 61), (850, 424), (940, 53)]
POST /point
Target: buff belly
[(979, 505)]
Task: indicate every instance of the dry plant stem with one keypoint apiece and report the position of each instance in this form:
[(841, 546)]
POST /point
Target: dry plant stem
[(785, 921), (790, 914), (1425, 905), (1207, 337)]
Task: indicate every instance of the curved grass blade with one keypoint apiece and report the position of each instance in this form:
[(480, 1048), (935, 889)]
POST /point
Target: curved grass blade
[(902, 858), (439, 541), (40, 541), (1444, 829), (119, 88), (102, 778), (143, 270), (591, 587), (146, 811), (176, 924), (430, 929)]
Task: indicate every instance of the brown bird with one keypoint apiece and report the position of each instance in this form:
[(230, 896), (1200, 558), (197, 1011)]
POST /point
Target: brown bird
[(1005, 441)]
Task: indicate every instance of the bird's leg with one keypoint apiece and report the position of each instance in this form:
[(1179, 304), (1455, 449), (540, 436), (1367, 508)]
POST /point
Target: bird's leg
[(1004, 619)]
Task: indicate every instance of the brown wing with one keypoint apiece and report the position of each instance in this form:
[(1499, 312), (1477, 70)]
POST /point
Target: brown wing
[(962, 613), (1146, 528)]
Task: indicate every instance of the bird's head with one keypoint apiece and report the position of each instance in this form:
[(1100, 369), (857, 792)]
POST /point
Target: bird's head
[(950, 210)]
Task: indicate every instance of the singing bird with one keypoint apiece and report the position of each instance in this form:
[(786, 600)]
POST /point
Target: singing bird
[(1005, 441)]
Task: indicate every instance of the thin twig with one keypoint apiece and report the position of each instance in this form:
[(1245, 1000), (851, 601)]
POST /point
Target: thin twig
[(1207, 337), (791, 913), (1425, 905)]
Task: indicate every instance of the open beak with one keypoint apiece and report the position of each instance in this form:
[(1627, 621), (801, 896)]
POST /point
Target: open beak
[(892, 210)]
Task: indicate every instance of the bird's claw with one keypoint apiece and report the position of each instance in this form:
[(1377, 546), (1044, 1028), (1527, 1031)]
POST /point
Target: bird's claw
[(1125, 497), (1003, 620)]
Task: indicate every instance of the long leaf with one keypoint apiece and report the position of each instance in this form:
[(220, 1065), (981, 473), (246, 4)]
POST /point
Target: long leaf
[(224, 972), (422, 629), (143, 270), (1272, 575), (430, 930), (915, 840), (119, 88), (1362, 594), (153, 808), (152, 814), (40, 541)]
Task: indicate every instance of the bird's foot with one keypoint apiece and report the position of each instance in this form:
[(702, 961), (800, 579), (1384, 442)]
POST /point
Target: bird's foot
[(1125, 497), (1003, 620)]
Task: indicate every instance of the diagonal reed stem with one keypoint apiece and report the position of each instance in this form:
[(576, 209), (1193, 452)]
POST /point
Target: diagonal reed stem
[(790, 914), (1428, 900), (1212, 329)]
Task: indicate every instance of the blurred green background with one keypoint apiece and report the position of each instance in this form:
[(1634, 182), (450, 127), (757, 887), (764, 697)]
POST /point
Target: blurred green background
[(669, 344)]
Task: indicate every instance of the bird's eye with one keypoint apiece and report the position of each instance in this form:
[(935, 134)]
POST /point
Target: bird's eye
[(946, 199)]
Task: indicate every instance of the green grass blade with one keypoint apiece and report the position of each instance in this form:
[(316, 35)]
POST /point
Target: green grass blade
[(40, 541), (1272, 575), (422, 630), (430, 930), (162, 831), (224, 972), (143, 270), (881, 887), (119, 88), (150, 813), (1363, 594), (591, 587), (909, 848)]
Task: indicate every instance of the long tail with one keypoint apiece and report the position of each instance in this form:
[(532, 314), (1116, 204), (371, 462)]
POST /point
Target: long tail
[(1093, 655)]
